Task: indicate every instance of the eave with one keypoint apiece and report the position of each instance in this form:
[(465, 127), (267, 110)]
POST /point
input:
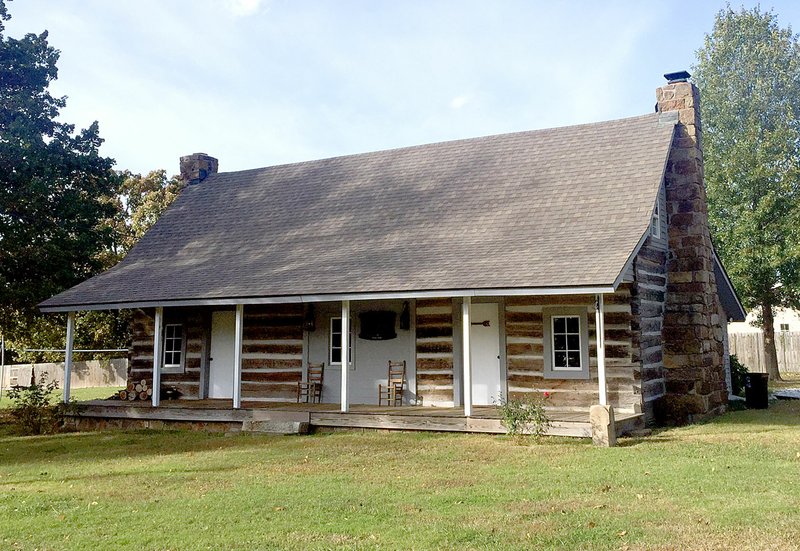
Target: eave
[(315, 298)]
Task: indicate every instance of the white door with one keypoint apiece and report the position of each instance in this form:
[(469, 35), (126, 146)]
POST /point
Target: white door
[(220, 378), (485, 339)]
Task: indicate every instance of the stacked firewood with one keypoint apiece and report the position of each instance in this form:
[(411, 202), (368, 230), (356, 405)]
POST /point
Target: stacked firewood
[(136, 391)]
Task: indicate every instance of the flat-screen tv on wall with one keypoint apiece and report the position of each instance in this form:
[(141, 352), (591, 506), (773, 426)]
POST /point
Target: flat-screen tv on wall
[(377, 325)]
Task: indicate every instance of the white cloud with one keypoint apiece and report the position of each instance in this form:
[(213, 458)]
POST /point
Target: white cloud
[(459, 101), (242, 8)]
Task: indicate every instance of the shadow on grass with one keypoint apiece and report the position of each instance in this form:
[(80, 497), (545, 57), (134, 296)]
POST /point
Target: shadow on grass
[(143, 443), (780, 415), (99, 446), (110, 476)]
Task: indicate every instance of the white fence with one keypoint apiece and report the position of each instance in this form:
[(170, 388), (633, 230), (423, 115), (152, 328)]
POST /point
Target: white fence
[(92, 373), (749, 348)]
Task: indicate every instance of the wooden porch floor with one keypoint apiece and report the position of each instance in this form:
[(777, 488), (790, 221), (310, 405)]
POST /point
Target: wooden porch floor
[(450, 419)]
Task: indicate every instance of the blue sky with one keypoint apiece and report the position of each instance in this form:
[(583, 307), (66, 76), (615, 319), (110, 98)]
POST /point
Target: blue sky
[(257, 83)]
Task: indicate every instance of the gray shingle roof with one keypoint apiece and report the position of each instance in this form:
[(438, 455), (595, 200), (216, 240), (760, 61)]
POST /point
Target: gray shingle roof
[(546, 208)]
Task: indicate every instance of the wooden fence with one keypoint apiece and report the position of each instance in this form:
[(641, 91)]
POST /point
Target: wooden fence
[(749, 348), (85, 374)]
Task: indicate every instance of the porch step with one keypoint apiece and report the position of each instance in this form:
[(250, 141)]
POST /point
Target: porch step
[(275, 427)]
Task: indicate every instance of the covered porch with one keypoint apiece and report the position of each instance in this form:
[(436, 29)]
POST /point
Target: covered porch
[(463, 354)]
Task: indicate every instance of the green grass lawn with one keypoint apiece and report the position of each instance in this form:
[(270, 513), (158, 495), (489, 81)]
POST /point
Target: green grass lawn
[(730, 483), (79, 394)]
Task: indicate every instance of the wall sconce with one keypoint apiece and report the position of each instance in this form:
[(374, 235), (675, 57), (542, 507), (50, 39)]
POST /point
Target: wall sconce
[(309, 320), (405, 317)]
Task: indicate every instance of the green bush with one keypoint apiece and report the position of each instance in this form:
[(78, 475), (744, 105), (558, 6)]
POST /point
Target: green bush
[(738, 375), (524, 416), (36, 408)]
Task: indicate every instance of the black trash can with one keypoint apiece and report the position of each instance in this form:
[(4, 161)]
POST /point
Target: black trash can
[(756, 393)]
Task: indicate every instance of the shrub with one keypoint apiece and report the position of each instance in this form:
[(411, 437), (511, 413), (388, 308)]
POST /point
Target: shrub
[(524, 416), (738, 376), (36, 409)]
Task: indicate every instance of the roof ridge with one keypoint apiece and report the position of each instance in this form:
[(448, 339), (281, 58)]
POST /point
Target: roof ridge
[(429, 144)]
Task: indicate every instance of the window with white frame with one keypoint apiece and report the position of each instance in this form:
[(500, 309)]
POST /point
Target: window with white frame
[(655, 222), (566, 343), (335, 343), (173, 347)]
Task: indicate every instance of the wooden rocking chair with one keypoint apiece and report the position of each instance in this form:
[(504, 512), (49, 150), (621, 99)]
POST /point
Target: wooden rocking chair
[(393, 391), (310, 390)]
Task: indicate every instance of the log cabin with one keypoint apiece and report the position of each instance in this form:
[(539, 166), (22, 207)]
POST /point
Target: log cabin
[(572, 262)]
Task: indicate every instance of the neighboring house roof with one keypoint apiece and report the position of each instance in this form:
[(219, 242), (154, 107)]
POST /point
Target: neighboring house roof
[(734, 310), (546, 209)]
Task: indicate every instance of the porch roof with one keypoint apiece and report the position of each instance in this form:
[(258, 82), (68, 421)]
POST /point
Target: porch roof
[(544, 210)]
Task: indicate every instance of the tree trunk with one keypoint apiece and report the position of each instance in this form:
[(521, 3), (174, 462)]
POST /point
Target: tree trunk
[(770, 352)]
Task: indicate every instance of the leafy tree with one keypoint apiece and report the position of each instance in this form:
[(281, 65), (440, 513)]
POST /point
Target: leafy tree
[(65, 214), (55, 187), (748, 72), (140, 202)]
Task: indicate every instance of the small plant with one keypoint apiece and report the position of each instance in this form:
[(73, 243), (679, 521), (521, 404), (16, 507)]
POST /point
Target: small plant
[(526, 416), (738, 376), (36, 409)]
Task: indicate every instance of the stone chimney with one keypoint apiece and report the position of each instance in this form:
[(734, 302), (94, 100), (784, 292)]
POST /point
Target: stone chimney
[(692, 332), (196, 167)]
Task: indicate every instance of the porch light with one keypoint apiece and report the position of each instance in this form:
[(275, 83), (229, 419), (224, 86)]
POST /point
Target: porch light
[(405, 317), (309, 320)]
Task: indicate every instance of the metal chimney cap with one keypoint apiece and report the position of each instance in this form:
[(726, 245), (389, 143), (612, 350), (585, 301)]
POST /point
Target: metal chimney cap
[(680, 76)]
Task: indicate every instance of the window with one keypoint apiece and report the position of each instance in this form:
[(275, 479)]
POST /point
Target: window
[(566, 343), (655, 222), (335, 356), (784, 327), (173, 347)]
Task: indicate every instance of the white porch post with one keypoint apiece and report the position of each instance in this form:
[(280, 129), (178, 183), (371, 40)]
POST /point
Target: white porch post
[(237, 357), (345, 354), (157, 355), (601, 350), (467, 354), (68, 355)]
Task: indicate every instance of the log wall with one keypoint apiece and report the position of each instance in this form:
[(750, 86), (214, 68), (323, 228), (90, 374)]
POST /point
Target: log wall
[(195, 323), (140, 355), (434, 346), (648, 292), (525, 353), (272, 352)]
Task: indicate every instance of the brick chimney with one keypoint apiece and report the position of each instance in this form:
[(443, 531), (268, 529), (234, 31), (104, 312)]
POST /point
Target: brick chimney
[(692, 332), (196, 167)]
